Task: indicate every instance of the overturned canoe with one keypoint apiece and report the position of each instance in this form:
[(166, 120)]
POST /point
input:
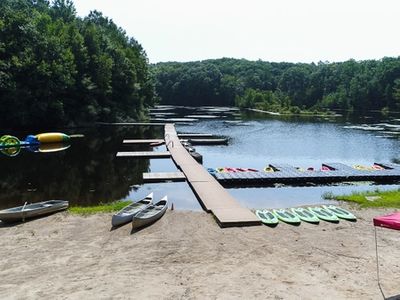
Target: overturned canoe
[(126, 214), (27, 211), (151, 214)]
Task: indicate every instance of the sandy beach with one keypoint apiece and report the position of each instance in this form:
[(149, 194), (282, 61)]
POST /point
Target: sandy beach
[(186, 255)]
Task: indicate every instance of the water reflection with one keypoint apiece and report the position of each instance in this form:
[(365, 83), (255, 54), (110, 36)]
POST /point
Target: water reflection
[(87, 173)]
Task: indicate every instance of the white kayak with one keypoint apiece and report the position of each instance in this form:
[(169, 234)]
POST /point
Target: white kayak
[(27, 211), (126, 214), (150, 214)]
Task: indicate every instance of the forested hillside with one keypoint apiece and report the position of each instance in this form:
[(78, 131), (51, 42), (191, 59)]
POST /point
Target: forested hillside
[(286, 87), (58, 69)]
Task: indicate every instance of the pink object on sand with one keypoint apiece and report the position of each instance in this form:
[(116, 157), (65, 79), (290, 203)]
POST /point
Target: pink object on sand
[(391, 221)]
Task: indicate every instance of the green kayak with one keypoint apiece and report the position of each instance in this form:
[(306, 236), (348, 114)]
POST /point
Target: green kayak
[(286, 216), (305, 215), (267, 217), (324, 214), (340, 212)]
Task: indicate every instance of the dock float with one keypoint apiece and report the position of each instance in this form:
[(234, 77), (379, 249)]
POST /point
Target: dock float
[(212, 196), (287, 174), (195, 135), (208, 141), (162, 177), (144, 154), (149, 141), (132, 124)]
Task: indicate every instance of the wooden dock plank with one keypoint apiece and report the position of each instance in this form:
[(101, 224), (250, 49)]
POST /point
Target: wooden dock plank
[(228, 217), (161, 177), (210, 193), (132, 124), (208, 141), (144, 141), (144, 154)]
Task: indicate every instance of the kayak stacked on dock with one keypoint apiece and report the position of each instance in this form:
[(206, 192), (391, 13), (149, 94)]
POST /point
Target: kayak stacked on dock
[(329, 213), (287, 174)]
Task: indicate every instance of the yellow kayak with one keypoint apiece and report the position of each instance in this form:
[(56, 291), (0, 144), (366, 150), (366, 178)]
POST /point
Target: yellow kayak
[(52, 137)]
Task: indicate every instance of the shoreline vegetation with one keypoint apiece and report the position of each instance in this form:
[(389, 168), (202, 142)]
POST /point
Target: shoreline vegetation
[(370, 199), (58, 69), (286, 88), (101, 208)]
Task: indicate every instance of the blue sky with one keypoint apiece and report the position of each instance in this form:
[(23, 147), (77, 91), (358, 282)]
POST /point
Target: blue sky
[(279, 30)]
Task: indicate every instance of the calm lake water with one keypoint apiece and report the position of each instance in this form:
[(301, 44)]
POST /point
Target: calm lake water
[(88, 172)]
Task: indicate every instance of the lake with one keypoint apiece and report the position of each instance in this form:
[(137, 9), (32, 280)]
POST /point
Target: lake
[(88, 172)]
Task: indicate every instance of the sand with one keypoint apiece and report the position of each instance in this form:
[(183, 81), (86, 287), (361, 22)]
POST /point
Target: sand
[(187, 256)]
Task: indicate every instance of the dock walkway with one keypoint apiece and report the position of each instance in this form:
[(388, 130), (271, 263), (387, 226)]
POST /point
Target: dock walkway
[(213, 197)]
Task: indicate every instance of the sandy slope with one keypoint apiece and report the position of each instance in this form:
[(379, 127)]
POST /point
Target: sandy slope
[(187, 256)]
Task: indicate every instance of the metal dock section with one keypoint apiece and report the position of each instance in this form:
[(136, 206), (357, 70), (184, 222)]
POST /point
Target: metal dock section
[(144, 142), (213, 197), (163, 177), (144, 154), (283, 173)]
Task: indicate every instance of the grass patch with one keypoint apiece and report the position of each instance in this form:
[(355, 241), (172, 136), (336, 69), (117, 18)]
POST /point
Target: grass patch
[(101, 208), (377, 198)]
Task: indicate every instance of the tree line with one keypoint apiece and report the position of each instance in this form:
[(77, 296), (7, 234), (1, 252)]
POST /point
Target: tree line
[(286, 87), (58, 69)]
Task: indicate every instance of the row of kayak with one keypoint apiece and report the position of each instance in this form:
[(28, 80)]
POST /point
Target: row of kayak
[(141, 213), (269, 169), (295, 215)]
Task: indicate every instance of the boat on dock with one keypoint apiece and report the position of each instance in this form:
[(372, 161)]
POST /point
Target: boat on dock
[(28, 211), (150, 214), (126, 214)]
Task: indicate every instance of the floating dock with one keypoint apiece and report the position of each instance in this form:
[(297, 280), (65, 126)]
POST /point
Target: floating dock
[(163, 177), (213, 197), (195, 135), (149, 141), (290, 175), (144, 154), (207, 141)]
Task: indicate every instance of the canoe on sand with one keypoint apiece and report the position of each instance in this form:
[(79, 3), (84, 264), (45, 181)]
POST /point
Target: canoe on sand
[(126, 214), (150, 214), (33, 210)]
